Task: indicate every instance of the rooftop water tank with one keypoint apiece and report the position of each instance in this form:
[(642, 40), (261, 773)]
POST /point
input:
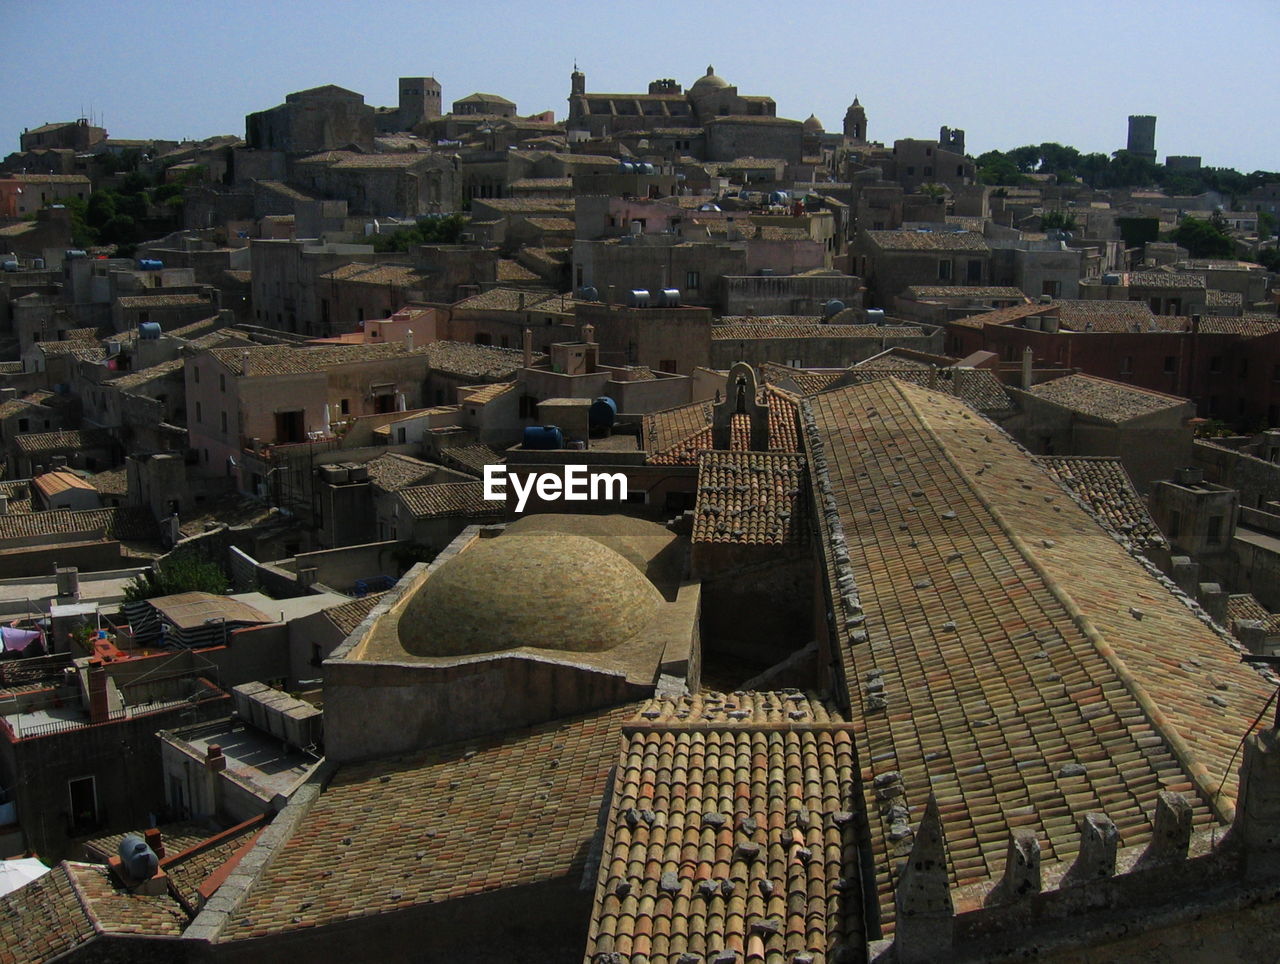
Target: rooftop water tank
[(149, 330), (542, 437), (1110, 279), (602, 413), (149, 264), (832, 308), (875, 316), (140, 861), (638, 298), (10, 266), (669, 298), (75, 253), (588, 293)]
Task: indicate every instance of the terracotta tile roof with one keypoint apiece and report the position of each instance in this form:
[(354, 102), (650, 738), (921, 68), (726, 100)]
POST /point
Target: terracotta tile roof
[(1162, 279), (1250, 325), (1101, 482), (464, 499), (136, 379), (472, 458), (434, 826), (750, 498), (191, 866), (1000, 316), (394, 471), (1000, 292), (16, 406), (353, 161), (807, 382), (890, 361), (728, 829), (1246, 606), (34, 443), (1094, 315), (177, 837), (1104, 399), (133, 524), (509, 299), (83, 350), (999, 648), (561, 225), (927, 240), (766, 330), (70, 906), (979, 387), (130, 302), (287, 360), (676, 436), (1216, 298), (19, 494), (395, 275), (509, 270), (52, 483), (667, 429), (476, 361), (483, 394), (348, 615)]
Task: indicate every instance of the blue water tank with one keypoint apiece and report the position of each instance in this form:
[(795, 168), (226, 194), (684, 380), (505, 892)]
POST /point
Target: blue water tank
[(140, 861), (75, 253), (602, 413), (149, 330), (542, 437), (149, 264), (832, 308), (588, 293)]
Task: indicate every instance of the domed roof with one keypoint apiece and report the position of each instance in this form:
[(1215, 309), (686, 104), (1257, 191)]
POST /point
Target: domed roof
[(709, 81), (813, 125), (564, 592)]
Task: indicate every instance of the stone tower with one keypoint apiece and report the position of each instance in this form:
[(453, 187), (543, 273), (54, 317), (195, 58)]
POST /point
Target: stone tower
[(855, 123), (1142, 136), (577, 83), (419, 100)]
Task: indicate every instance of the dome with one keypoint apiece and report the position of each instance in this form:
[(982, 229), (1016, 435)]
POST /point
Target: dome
[(813, 125), (709, 81), (550, 591)]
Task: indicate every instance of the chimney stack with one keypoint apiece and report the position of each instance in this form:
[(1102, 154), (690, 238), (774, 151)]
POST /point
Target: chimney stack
[(1027, 358), (99, 705), (155, 840), (521, 301), (214, 761), (244, 364), (408, 339), (589, 334), (528, 348)]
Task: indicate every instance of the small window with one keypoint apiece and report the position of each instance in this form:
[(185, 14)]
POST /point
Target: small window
[(23, 425), (1215, 530), (1170, 364), (1175, 524), (975, 271), (199, 412), (910, 170), (1215, 365), (692, 279), (344, 406), (224, 423), (944, 270), (667, 365), (222, 382), (928, 172), (1126, 365)]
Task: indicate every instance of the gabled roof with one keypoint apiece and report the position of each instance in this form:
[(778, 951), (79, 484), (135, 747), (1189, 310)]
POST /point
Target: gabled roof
[(460, 499), (1002, 651), (726, 828), (751, 498), (1104, 399), (70, 440), (393, 471), (903, 240), (435, 827), (1101, 482), (348, 615)]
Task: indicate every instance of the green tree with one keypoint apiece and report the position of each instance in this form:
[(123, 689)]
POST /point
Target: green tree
[(1204, 239), (431, 230), (181, 571), (995, 167), (1061, 220)]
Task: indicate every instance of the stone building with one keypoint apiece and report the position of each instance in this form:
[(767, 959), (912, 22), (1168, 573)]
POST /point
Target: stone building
[(326, 118), (892, 261)]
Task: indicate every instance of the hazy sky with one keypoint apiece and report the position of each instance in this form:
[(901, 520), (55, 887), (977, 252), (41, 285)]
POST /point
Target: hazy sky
[(1009, 73)]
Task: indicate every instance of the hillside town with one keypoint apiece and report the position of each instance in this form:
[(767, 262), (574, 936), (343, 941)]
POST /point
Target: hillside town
[(645, 531)]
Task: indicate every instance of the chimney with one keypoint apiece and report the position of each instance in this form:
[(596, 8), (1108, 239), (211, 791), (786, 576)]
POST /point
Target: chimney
[(521, 306), (609, 296), (589, 334), (99, 705), (1027, 358), (528, 348), (408, 339), (244, 364), (155, 840), (214, 761)]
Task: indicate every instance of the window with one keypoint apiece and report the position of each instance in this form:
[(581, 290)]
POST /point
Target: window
[(23, 425), (195, 374), (928, 172), (1275, 372), (83, 792), (944, 270), (1215, 365), (1051, 288), (692, 279), (222, 382), (959, 170), (910, 170), (1215, 530), (667, 365), (1126, 365), (344, 406), (974, 271), (1170, 364), (199, 412), (224, 423), (483, 338)]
